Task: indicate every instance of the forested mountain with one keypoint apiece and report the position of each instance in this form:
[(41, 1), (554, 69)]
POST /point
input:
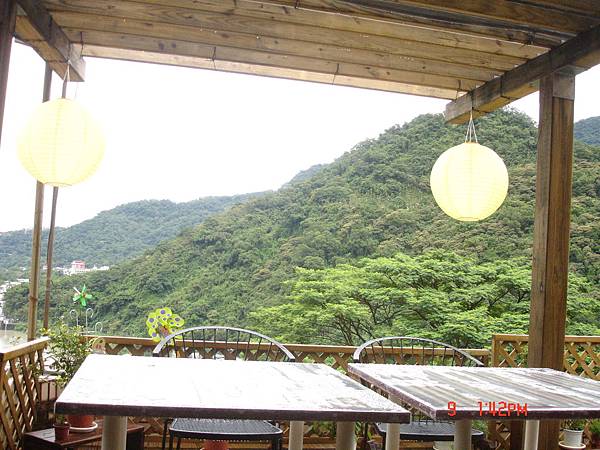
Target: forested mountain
[(117, 234), (588, 130), (360, 248)]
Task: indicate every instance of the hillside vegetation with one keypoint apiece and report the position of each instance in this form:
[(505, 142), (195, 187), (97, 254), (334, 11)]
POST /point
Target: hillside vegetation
[(360, 249), (588, 130), (117, 234)]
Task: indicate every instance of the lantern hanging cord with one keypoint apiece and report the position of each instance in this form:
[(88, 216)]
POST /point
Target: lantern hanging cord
[(66, 80), (471, 133)]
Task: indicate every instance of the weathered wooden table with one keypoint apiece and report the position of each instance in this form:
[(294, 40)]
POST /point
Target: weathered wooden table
[(121, 386), (467, 393)]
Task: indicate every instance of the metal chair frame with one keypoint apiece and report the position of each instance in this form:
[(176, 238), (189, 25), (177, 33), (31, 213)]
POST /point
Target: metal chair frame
[(416, 351), (216, 342)]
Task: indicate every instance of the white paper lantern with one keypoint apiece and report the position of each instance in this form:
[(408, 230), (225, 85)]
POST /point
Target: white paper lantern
[(469, 182), (61, 144)]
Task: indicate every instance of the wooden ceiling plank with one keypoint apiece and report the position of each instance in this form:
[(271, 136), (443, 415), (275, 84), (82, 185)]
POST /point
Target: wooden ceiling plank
[(49, 40), (343, 41), (186, 49), (460, 24), (341, 22), (467, 75), (265, 70), (503, 10), (578, 54), (333, 53)]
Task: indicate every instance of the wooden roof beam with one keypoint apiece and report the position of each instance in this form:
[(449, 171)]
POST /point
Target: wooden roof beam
[(272, 65), (36, 28), (576, 55)]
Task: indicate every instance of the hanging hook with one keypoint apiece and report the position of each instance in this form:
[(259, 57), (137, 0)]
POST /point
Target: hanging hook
[(337, 71), (98, 328), (75, 315), (91, 314)]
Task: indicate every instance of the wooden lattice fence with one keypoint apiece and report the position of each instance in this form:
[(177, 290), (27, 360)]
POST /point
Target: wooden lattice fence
[(581, 357), (20, 390)]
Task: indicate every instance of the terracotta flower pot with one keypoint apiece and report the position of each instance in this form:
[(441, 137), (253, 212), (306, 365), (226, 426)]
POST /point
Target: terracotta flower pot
[(216, 445), (80, 421), (61, 431)]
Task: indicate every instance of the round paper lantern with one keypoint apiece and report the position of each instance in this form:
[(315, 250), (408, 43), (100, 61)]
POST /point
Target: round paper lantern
[(61, 144), (469, 182)]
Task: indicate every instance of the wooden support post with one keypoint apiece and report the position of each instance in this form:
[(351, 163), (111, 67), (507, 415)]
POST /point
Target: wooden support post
[(8, 14), (551, 232), (34, 275)]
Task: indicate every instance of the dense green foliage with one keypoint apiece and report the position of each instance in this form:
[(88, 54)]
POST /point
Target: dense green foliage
[(374, 202), (588, 130), (437, 295), (114, 235)]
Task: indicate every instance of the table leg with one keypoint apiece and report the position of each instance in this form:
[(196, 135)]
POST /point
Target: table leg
[(462, 434), (114, 433), (532, 431), (392, 438), (296, 435), (345, 438)]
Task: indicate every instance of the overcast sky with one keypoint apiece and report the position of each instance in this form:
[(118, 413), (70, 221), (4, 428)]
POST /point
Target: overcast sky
[(180, 134)]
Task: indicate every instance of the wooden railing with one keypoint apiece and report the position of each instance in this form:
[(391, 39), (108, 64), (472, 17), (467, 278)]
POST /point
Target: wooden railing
[(20, 390), (336, 356), (581, 357)]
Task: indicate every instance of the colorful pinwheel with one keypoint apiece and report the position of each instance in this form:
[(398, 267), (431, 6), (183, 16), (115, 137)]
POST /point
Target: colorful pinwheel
[(82, 296), (162, 322)]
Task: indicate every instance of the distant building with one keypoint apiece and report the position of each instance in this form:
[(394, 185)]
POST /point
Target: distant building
[(78, 266)]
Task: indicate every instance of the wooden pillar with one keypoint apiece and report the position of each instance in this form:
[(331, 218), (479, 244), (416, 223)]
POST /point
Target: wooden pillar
[(551, 232), (34, 274), (8, 15)]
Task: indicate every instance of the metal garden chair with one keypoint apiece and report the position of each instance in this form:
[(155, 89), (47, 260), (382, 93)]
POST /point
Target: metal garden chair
[(416, 351), (216, 342)]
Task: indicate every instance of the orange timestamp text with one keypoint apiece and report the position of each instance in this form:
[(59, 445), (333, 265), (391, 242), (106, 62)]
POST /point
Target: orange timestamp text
[(495, 409)]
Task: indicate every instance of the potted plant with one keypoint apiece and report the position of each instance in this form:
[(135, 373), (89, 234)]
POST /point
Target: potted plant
[(68, 350), (573, 433), (61, 427), (594, 428)]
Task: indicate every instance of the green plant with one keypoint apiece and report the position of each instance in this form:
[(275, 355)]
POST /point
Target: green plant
[(60, 419), (594, 427), (68, 349), (574, 424)]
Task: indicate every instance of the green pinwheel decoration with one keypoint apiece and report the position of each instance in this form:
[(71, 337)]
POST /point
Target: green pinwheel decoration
[(82, 296), (162, 322)]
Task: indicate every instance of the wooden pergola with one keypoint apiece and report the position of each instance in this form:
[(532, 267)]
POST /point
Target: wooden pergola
[(478, 54)]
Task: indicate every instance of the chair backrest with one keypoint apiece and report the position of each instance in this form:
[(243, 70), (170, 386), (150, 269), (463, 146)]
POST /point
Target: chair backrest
[(412, 350), (216, 342)]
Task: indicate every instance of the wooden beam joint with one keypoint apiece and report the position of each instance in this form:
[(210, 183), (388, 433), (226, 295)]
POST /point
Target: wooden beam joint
[(36, 27), (573, 57)]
